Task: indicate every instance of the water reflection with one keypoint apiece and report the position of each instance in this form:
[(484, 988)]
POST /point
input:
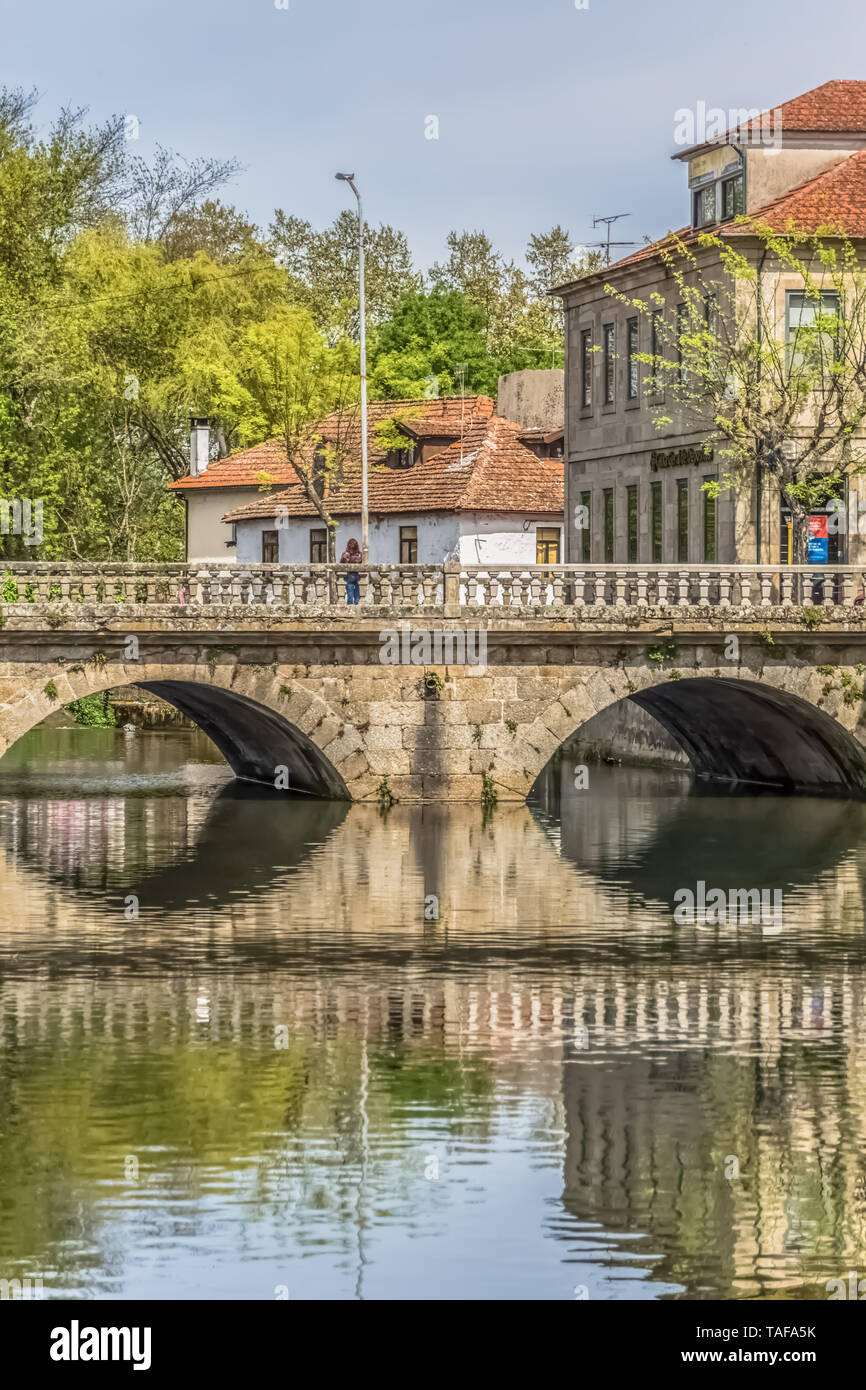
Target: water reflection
[(420, 1055)]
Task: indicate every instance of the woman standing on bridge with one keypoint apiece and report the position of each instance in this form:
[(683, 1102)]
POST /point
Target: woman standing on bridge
[(352, 556)]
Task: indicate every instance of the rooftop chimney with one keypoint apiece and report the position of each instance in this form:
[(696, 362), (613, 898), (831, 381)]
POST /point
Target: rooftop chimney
[(199, 445)]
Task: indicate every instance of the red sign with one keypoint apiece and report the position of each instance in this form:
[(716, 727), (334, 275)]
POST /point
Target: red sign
[(818, 526)]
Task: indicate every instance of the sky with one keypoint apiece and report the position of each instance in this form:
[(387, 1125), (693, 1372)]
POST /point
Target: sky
[(547, 114)]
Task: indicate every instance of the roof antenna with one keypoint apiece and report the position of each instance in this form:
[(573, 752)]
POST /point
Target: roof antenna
[(607, 244)]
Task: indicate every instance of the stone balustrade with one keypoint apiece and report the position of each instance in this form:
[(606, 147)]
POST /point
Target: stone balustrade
[(450, 587)]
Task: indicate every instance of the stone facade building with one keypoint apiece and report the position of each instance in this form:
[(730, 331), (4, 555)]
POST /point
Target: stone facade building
[(640, 488)]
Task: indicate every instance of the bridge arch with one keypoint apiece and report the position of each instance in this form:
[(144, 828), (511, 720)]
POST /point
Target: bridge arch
[(749, 732), (258, 723)]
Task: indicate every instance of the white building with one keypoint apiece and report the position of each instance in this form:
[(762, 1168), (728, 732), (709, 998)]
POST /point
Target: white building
[(469, 486)]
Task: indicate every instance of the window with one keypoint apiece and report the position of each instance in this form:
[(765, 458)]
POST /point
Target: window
[(270, 547), (547, 545), (810, 347), (705, 205), (586, 535), (608, 525), (318, 545), (586, 368), (408, 545), (631, 522), (709, 522), (683, 520), (609, 363), (682, 320), (733, 197), (657, 523), (633, 365), (233, 535), (657, 382)]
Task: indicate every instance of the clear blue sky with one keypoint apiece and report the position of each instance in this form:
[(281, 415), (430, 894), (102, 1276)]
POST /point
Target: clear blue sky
[(546, 113)]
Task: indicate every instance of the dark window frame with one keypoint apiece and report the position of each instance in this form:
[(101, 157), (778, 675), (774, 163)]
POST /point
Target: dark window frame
[(409, 543), (270, 539), (657, 522), (609, 365), (632, 339), (608, 525), (682, 521), (632, 522), (586, 534), (318, 537), (586, 369)]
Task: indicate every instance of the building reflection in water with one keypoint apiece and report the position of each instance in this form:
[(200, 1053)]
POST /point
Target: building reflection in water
[(541, 1086)]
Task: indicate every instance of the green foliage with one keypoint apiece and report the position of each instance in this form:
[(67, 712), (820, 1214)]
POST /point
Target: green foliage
[(130, 296), (93, 711), (665, 651), (51, 690), (385, 796), (811, 617), (489, 795)]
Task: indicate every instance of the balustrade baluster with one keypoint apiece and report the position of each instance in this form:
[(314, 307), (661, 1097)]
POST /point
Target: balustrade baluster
[(787, 589), (845, 587), (579, 582), (683, 588), (724, 589)]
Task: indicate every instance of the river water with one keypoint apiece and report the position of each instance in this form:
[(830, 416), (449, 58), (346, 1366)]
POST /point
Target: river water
[(262, 1048)]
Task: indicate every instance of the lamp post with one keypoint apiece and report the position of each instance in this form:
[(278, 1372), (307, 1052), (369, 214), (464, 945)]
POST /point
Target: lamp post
[(350, 180)]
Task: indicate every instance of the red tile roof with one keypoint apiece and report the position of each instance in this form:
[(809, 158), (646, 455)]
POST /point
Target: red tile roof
[(834, 200), (488, 470), (834, 107), (439, 418)]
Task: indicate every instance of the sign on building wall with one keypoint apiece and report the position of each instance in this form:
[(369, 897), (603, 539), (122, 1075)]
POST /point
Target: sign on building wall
[(679, 458), (818, 540)]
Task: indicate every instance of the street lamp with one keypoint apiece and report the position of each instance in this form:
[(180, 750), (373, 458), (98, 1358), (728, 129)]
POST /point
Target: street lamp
[(350, 180)]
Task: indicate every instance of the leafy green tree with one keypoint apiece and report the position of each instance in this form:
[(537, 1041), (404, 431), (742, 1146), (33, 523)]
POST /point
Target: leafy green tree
[(283, 379), (322, 268)]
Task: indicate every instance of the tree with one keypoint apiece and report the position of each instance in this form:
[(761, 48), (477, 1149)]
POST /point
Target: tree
[(552, 261), (779, 397), (417, 350), (498, 287), (160, 194), (285, 380), (221, 231), (323, 270)]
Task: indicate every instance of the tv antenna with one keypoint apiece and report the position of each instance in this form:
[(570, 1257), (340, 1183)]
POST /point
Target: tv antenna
[(607, 243)]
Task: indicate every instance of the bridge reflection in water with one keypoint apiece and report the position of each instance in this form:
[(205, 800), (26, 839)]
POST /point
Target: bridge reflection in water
[(544, 1066)]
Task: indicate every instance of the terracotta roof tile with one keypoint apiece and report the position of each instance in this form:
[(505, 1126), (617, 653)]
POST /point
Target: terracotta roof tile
[(437, 418), (489, 470), (832, 200)]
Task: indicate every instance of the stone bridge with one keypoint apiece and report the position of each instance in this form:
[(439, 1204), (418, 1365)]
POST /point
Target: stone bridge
[(450, 682)]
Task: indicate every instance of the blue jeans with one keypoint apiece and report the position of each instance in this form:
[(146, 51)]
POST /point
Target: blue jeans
[(353, 588)]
